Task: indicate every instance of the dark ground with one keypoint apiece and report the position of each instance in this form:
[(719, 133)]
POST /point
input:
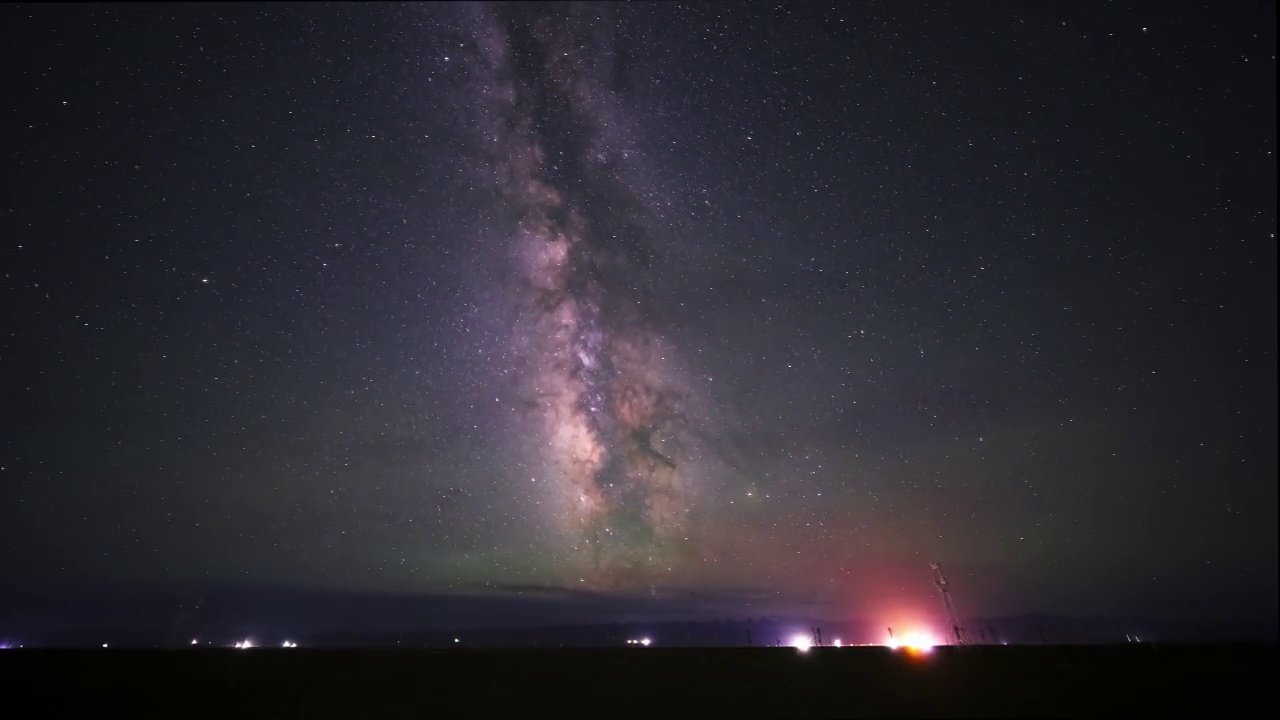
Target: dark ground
[(654, 683)]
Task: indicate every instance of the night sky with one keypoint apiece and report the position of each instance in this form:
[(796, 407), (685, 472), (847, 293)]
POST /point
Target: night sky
[(648, 299)]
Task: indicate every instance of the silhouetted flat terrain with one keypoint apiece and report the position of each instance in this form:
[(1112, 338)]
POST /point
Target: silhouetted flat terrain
[(651, 682)]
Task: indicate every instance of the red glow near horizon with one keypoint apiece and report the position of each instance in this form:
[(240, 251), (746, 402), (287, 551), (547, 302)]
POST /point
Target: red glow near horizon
[(914, 641)]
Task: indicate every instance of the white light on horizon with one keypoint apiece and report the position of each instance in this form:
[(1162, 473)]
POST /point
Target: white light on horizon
[(916, 641), (801, 642)]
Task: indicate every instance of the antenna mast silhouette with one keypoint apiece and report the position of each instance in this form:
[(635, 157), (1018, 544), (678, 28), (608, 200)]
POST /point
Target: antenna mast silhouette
[(940, 579)]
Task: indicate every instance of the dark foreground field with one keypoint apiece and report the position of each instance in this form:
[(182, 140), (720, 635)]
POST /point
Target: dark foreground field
[(649, 682)]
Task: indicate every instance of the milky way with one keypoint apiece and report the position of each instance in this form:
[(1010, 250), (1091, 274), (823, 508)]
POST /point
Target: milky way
[(592, 369), (679, 299)]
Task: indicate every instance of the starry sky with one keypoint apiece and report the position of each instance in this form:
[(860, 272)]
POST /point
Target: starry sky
[(644, 299)]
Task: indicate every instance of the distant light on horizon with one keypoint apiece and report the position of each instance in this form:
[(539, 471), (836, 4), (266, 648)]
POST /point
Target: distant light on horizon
[(801, 642), (917, 641)]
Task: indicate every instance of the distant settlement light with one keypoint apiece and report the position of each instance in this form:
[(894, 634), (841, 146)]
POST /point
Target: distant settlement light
[(913, 642), (801, 642)]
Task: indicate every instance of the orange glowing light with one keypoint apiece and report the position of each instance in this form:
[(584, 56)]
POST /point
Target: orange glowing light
[(916, 643)]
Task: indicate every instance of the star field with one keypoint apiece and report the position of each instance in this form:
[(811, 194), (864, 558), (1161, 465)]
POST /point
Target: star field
[(428, 298)]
